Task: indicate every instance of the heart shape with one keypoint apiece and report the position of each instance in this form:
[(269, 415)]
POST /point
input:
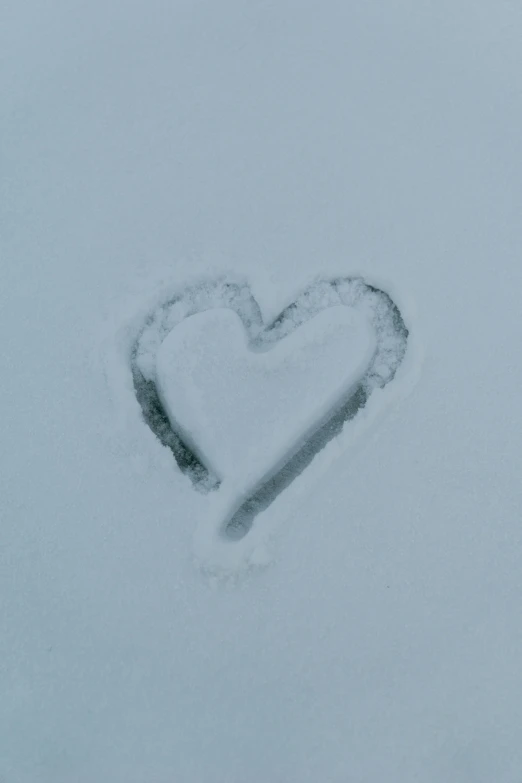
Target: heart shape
[(246, 412), (350, 332)]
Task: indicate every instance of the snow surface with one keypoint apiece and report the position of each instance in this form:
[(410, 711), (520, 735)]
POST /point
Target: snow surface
[(146, 147), (246, 410)]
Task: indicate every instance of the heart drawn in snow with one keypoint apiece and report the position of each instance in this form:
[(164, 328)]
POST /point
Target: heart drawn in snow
[(245, 406)]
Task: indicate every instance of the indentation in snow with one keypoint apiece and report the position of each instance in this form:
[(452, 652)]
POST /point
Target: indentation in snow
[(245, 407)]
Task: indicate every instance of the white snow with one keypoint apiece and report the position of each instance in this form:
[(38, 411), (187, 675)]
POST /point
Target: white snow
[(245, 411), (369, 628)]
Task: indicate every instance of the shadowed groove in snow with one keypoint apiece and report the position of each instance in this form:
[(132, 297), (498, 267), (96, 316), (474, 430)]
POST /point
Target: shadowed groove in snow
[(391, 340)]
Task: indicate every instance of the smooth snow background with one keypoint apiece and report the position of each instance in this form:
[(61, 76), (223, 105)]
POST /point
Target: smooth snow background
[(144, 143)]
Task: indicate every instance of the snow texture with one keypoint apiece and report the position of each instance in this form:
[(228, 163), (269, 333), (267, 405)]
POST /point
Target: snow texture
[(246, 411), (364, 626), (259, 428)]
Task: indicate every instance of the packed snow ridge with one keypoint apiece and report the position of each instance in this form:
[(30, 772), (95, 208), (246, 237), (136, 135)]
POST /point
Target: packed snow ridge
[(245, 406)]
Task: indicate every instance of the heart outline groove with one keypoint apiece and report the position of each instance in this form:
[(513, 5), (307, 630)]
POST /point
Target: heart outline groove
[(391, 343)]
